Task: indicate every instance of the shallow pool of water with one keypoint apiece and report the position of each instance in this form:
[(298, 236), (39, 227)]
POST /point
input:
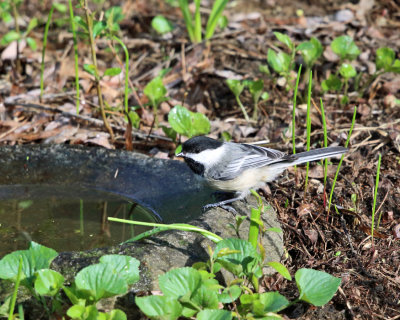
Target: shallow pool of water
[(70, 219)]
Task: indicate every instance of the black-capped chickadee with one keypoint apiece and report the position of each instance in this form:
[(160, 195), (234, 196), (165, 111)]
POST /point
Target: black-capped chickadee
[(237, 168)]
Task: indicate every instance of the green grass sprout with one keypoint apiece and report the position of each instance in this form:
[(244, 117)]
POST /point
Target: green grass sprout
[(378, 169), (308, 121), (341, 159), (74, 39), (46, 31), (325, 145), (294, 112)]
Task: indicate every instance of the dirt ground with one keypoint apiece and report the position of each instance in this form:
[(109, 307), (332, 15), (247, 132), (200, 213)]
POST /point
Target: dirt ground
[(338, 242)]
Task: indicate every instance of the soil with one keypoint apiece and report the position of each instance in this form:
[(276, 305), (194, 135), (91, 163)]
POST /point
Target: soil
[(338, 240)]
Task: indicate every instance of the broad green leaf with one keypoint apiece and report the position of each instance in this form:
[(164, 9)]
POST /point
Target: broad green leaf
[(76, 312), (125, 266), (10, 37), (35, 258), (345, 47), (100, 281), (284, 39), (155, 91), (316, 287), (209, 314), (230, 294), (32, 25), (89, 68), (310, 51), (347, 71), (112, 72), (31, 43), (205, 297), (396, 66), (169, 132), (60, 7), (178, 282), (116, 314), (384, 58), (48, 282), (188, 123), (98, 28), (269, 302), (279, 62), (161, 24), (255, 88), (236, 86), (281, 269), (160, 307), (333, 83), (244, 260)]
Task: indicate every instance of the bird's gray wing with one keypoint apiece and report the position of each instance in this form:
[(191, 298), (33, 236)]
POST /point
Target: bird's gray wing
[(245, 157)]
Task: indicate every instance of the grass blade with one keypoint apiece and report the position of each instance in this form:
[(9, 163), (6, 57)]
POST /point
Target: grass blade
[(71, 18), (294, 111), (183, 4), (375, 195), (46, 31), (216, 12), (308, 121), (341, 159)]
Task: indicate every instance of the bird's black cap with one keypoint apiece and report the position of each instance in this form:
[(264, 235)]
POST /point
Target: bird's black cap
[(199, 144)]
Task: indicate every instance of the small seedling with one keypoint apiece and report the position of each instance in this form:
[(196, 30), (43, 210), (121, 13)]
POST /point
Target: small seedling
[(188, 123), (156, 92), (378, 169), (237, 86), (256, 90), (161, 24), (345, 48)]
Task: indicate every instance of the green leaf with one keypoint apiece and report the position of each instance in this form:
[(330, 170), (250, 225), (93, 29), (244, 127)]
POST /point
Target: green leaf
[(25, 204), (284, 39), (209, 314), (279, 62), (155, 91), (216, 12), (396, 66), (116, 314), (78, 20), (255, 88), (316, 287), (187, 16), (243, 260), (48, 282), (281, 269), (333, 83), (188, 123), (89, 68), (264, 96), (31, 43), (236, 86), (134, 119), (10, 37), (32, 25), (60, 7), (384, 58), (264, 69), (98, 28), (345, 47), (100, 281), (178, 282), (222, 22), (169, 132), (162, 307), (125, 266), (347, 71), (310, 51), (230, 294), (35, 258), (269, 302), (112, 72), (114, 15), (76, 312), (161, 24)]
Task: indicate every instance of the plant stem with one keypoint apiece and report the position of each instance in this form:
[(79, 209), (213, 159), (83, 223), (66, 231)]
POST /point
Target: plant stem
[(74, 39), (89, 21), (15, 15), (325, 145), (15, 293), (126, 73), (46, 31), (246, 116)]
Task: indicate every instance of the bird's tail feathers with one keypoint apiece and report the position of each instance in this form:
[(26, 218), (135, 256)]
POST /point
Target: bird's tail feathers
[(308, 156)]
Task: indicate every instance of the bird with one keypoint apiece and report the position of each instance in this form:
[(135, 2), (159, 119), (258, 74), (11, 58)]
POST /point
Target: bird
[(239, 167)]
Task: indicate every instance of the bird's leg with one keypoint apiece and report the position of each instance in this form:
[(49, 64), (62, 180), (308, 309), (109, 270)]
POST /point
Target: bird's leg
[(223, 204)]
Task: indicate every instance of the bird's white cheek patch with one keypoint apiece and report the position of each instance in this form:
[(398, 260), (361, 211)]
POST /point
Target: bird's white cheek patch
[(207, 157)]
